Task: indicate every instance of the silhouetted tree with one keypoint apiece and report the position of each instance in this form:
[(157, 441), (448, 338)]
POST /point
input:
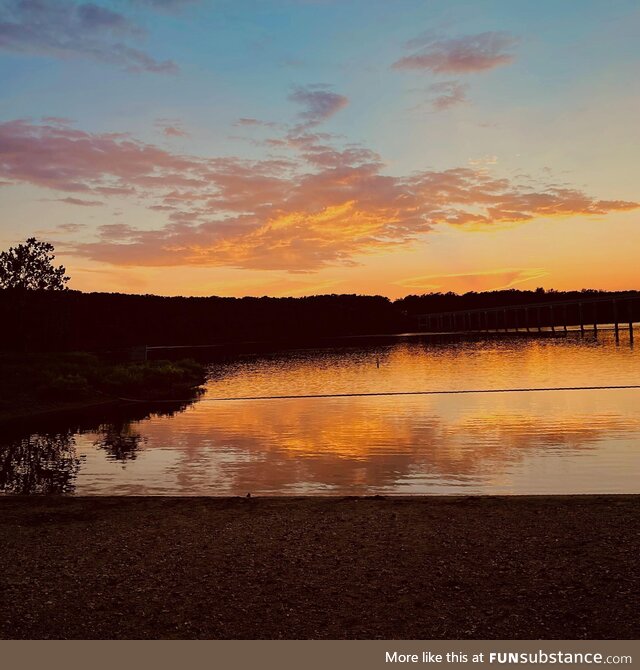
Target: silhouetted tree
[(30, 266)]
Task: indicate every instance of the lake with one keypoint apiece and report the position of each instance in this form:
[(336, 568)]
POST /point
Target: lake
[(511, 442)]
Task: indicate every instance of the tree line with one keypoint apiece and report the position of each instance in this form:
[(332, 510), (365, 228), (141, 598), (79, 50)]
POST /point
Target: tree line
[(72, 320), (38, 312)]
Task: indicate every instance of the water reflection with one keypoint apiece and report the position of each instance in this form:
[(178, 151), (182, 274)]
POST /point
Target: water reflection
[(359, 445), (120, 440), (48, 462), (550, 442), (42, 464), (427, 365)]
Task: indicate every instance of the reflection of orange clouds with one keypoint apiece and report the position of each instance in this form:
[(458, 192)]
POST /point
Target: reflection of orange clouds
[(411, 443), (370, 443)]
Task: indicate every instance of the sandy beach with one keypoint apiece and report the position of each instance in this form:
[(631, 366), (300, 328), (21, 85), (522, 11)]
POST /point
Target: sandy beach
[(406, 568)]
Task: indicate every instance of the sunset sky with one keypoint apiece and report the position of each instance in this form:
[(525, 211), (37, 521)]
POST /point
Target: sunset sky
[(228, 147)]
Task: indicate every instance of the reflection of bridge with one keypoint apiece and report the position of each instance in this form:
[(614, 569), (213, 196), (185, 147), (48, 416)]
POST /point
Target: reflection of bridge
[(621, 311)]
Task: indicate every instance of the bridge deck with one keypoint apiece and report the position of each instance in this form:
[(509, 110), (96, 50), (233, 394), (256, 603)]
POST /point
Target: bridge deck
[(538, 317)]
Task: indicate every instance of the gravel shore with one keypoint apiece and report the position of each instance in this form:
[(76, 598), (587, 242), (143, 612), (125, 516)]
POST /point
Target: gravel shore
[(550, 567)]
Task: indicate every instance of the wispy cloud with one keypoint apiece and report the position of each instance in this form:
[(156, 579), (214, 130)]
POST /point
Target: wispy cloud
[(488, 280), (68, 29), (318, 205), (62, 229), (319, 103), (71, 227), (459, 55), (171, 128), (446, 94), (166, 5), (58, 120), (249, 122), (80, 202), (483, 161)]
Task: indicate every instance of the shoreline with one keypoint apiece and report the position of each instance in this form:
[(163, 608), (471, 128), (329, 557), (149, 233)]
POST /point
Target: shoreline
[(36, 386), (428, 567)]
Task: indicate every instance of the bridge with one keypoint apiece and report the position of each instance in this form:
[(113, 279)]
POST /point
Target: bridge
[(617, 311)]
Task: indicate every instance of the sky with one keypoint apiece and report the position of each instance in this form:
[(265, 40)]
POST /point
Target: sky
[(297, 147)]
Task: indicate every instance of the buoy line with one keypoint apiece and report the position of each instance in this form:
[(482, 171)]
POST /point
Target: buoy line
[(364, 394)]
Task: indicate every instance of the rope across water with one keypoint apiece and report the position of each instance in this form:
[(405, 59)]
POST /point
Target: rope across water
[(396, 393)]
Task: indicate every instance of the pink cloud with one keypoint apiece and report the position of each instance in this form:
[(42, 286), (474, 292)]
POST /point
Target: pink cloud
[(174, 131), (446, 94), (171, 128), (67, 159), (319, 205), (245, 121), (460, 55)]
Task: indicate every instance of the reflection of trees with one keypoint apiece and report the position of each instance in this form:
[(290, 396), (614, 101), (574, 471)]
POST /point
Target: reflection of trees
[(119, 440), (40, 463), (46, 462)]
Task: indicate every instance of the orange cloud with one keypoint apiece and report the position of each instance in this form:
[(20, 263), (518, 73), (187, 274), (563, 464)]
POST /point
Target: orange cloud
[(317, 205)]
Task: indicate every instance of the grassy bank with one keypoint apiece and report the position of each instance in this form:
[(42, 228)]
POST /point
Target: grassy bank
[(32, 384), (541, 567)]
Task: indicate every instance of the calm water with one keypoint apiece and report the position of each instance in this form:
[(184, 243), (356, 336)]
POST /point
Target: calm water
[(500, 443)]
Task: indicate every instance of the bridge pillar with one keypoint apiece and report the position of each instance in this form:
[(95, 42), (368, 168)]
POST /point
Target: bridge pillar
[(614, 305), (581, 318)]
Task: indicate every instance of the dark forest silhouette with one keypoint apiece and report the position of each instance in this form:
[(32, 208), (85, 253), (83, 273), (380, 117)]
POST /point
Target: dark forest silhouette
[(39, 313), (72, 320)]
